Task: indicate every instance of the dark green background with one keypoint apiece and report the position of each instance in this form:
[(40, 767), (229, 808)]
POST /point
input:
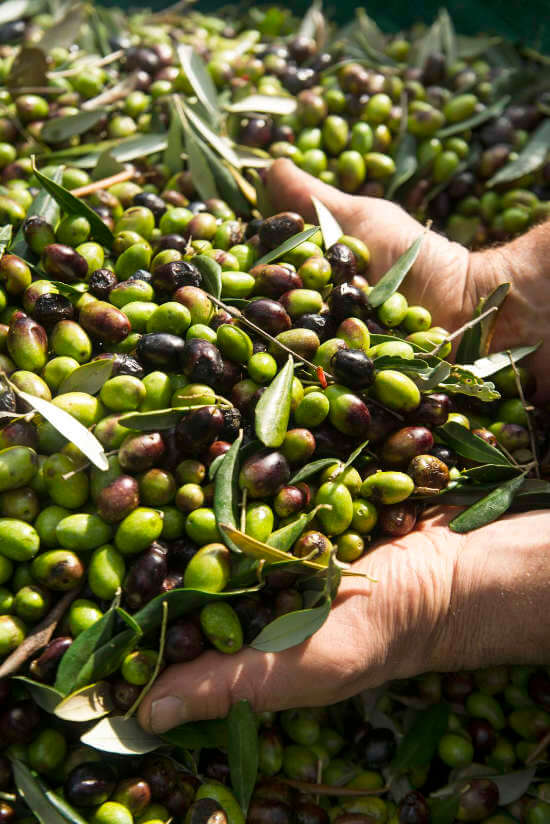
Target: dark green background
[(523, 20)]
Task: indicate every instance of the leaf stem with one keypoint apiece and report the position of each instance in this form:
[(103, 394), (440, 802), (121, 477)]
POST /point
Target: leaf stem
[(527, 412), (461, 329)]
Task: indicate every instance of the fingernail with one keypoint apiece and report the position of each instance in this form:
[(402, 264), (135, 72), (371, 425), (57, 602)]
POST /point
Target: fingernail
[(167, 713)]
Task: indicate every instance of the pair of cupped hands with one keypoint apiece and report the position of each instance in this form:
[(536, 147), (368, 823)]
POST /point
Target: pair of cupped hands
[(443, 601)]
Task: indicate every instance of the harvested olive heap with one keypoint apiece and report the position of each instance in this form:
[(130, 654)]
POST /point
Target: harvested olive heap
[(208, 413)]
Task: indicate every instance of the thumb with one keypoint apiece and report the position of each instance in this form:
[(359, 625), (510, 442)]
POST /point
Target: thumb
[(291, 188), (209, 686)]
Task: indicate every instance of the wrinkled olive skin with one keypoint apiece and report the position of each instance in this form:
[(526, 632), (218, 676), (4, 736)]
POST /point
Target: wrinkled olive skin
[(429, 472), (201, 362), (58, 569), (263, 473), (89, 784)]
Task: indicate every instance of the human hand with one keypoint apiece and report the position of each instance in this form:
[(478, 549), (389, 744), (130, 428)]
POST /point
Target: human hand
[(447, 279), (442, 602)]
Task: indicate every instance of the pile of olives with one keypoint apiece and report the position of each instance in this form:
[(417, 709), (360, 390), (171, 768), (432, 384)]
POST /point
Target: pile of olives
[(324, 765)]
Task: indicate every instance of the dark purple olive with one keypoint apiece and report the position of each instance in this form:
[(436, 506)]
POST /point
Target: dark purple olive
[(397, 520), (375, 747), (433, 410), (160, 349), (274, 279), (256, 132), (134, 794), (160, 773), (123, 364), (198, 429), (478, 800), (145, 577), (429, 472), (201, 362), (172, 241), (206, 811), (346, 301), (433, 70), (483, 736), (184, 641), (268, 811), (232, 420), (118, 499), (353, 368), (180, 553), (254, 615), (457, 686), (141, 274), (101, 282), (269, 315), (142, 58), (343, 263), (413, 809), (152, 202), (18, 723), (50, 308), (141, 451), (329, 442), (89, 784), (124, 695), (444, 454), (497, 130), (404, 444), (276, 229), (171, 276), (263, 473), (322, 325), (63, 263), (214, 764), (307, 812), (180, 799), (45, 666)]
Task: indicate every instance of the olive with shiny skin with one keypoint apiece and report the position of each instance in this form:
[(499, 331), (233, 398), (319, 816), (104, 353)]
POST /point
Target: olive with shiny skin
[(90, 784), (263, 473)]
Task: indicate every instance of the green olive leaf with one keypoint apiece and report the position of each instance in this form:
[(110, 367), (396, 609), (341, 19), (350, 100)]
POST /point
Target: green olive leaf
[(62, 128), (330, 228), (217, 143), (86, 704), (425, 45), (198, 734), (89, 377), (174, 149), (489, 508), (106, 166), (200, 80), (226, 489), (448, 36), (198, 165), (156, 419), (73, 206), (476, 340), (490, 473), (130, 149), (287, 246), (230, 187), (291, 629), (485, 367), (65, 30), (40, 800), (262, 551), (285, 537), (28, 69), (413, 365), (463, 382), (354, 455), (73, 291), (465, 443), (263, 104), (211, 274), (531, 157), (475, 120), (123, 736), (77, 656), (242, 752), (394, 277), (45, 696), (406, 163), (16, 9), (311, 469), (69, 427), (273, 409), (5, 237), (419, 745), (43, 205), (428, 380)]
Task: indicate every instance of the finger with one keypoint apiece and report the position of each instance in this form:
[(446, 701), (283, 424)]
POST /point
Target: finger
[(291, 188)]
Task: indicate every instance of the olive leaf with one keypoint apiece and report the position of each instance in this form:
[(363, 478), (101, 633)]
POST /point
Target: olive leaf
[(465, 443), (219, 144), (156, 419), (513, 785), (41, 800), (16, 9), (196, 735), (490, 473), (73, 206), (89, 377), (263, 104), (311, 469), (428, 380), (43, 205), (135, 147), (42, 694), (476, 340), (158, 663), (62, 128), (174, 149), (273, 409), (230, 188), (78, 654), (485, 367), (531, 157), (353, 456), (425, 45), (291, 629), (86, 704), (288, 245), (123, 736), (330, 228), (406, 163), (73, 291), (106, 166), (69, 427), (200, 80), (65, 31), (198, 165), (28, 69), (489, 508), (263, 202), (448, 36), (312, 20), (419, 745), (475, 120), (211, 274), (285, 537), (5, 237), (463, 382), (242, 752), (413, 365), (395, 276), (226, 489)]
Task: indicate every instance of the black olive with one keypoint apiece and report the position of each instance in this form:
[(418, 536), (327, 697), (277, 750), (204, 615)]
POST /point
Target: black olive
[(152, 201), (101, 282), (160, 349), (170, 276), (353, 367), (201, 361)]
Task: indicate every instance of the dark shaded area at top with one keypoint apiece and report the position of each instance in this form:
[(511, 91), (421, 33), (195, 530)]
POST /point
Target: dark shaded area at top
[(517, 20)]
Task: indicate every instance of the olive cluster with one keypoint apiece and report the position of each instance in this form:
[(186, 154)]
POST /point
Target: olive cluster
[(497, 720)]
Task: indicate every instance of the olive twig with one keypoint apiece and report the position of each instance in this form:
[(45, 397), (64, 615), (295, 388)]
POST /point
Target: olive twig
[(39, 637), (326, 789), (158, 663), (527, 410), (449, 338), (104, 183)]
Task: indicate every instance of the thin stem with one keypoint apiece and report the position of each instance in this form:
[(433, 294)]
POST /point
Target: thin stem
[(158, 662), (461, 329), (43, 90), (243, 510), (539, 749), (325, 789), (104, 183), (526, 408)]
